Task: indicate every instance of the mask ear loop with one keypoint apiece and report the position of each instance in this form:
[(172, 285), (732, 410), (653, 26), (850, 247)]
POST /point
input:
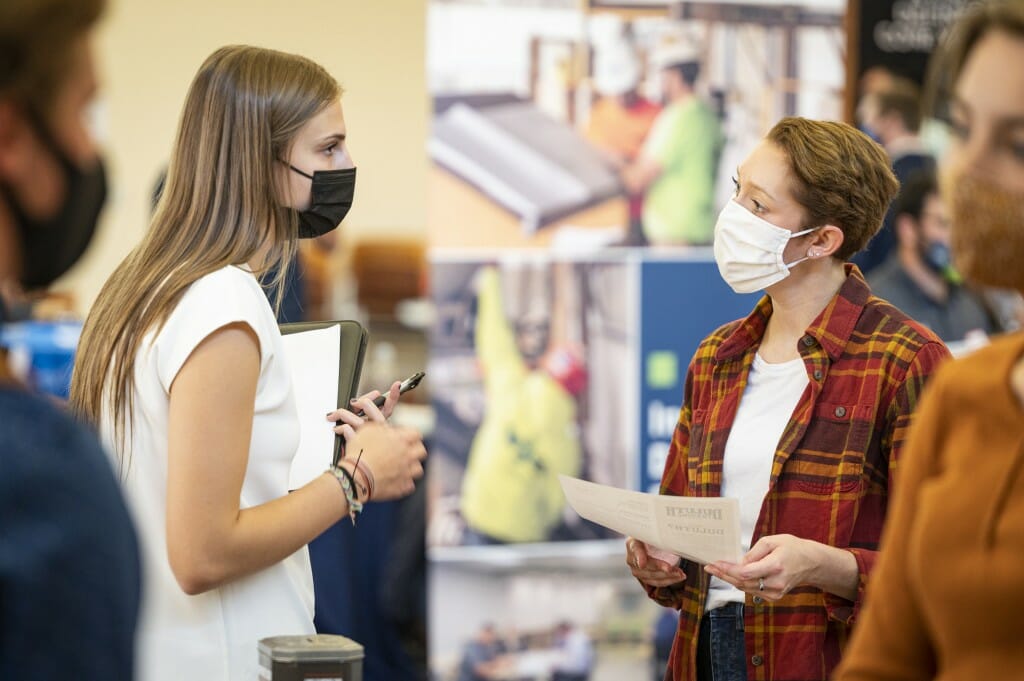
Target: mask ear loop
[(306, 175), (810, 253)]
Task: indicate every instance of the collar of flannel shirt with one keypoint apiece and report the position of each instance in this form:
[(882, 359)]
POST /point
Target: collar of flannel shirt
[(831, 329)]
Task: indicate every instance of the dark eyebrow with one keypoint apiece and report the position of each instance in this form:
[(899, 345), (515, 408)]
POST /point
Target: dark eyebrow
[(336, 137)]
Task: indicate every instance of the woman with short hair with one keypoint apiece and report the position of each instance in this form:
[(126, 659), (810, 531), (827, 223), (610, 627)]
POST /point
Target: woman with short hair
[(799, 411)]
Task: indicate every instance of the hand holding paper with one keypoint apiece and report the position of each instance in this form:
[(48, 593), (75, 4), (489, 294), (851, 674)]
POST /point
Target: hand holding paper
[(653, 566), (701, 529)]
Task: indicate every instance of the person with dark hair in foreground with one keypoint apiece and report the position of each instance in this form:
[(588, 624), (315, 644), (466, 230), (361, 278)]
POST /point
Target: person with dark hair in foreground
[(69, 565), (918, 277)]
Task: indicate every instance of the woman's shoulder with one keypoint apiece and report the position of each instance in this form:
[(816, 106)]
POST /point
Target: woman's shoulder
[(228, 278), (984, 371), (229, 295), (228, 288), (976, 384), (223, 296), (719, 336), (882, 323)]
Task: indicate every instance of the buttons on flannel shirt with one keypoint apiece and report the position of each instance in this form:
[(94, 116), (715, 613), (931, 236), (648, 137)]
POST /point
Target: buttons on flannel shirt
[(808, 341), (758, 600), (817, 374), (840, 412), (756, 660)]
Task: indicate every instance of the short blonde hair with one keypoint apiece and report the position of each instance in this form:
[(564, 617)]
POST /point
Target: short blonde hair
[(842, 177)]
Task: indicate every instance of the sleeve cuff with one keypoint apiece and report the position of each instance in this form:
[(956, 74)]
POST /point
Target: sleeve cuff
[(846, 611), (670, 596)]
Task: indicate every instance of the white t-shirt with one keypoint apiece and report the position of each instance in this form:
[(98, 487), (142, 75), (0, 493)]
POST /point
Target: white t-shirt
[(212, 636), (767, 405)]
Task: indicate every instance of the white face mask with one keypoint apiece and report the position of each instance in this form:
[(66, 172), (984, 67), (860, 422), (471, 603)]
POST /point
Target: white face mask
[(748, 249)]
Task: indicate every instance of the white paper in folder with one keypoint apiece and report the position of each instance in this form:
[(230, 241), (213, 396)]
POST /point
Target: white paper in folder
[(702, 529), (312, 358)]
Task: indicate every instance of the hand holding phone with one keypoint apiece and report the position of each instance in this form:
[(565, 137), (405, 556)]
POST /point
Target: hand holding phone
[(406, 385)]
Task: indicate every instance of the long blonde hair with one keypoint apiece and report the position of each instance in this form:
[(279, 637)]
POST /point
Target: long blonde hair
[(218, 208)]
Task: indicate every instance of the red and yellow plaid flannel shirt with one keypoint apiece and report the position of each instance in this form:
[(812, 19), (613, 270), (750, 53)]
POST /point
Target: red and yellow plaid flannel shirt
[(867, 364)]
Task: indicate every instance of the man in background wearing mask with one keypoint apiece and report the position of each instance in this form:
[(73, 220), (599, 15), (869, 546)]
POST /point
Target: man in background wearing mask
[(918, 277), (893, 116), (69, 569)]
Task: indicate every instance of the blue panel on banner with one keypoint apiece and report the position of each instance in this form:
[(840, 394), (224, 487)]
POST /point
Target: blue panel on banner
[(682, 301)]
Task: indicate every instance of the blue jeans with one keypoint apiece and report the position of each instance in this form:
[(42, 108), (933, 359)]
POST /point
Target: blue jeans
[(721, 651)]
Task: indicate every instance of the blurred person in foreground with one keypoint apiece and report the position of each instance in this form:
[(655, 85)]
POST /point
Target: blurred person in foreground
[(798, 411), (946, 598), (918, 277), (69, 566)]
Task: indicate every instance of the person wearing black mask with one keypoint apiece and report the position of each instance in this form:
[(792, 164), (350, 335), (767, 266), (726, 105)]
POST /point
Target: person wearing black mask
[(918, 276), (69, 566), (181, 368)]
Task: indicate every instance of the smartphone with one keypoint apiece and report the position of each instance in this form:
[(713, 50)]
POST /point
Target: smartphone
[(406, 385)]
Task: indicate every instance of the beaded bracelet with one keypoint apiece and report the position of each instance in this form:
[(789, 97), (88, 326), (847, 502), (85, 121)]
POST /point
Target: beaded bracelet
[(348, 486)]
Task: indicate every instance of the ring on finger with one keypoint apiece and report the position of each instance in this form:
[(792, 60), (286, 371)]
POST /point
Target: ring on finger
[(760, 583)]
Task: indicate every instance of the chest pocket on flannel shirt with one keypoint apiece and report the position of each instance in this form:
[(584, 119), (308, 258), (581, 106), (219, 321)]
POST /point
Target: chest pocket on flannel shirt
[(830, 456), (697, 458)]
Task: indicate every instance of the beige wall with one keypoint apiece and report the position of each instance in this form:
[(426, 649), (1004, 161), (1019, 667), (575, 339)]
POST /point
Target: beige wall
[(148, 51)]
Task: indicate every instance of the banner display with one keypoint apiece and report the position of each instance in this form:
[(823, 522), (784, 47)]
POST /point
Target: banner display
[(555, 127), (682, 302), (579, 155)]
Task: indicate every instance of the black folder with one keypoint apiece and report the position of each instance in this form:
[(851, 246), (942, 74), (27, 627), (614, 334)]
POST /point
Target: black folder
[(350, 358)]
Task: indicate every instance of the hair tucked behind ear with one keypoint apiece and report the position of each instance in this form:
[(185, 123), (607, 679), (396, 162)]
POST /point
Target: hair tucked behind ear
[(842, 177), (218, 208)]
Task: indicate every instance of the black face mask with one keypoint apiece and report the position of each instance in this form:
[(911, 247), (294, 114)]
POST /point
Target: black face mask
[(49, 247), (936, 255), (332, 194)]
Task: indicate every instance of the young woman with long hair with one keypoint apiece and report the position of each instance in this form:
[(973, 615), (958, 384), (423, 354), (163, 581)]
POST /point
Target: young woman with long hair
[(181, 367)]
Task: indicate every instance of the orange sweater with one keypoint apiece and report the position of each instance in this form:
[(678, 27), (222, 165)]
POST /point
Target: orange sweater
[(946, 597)]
